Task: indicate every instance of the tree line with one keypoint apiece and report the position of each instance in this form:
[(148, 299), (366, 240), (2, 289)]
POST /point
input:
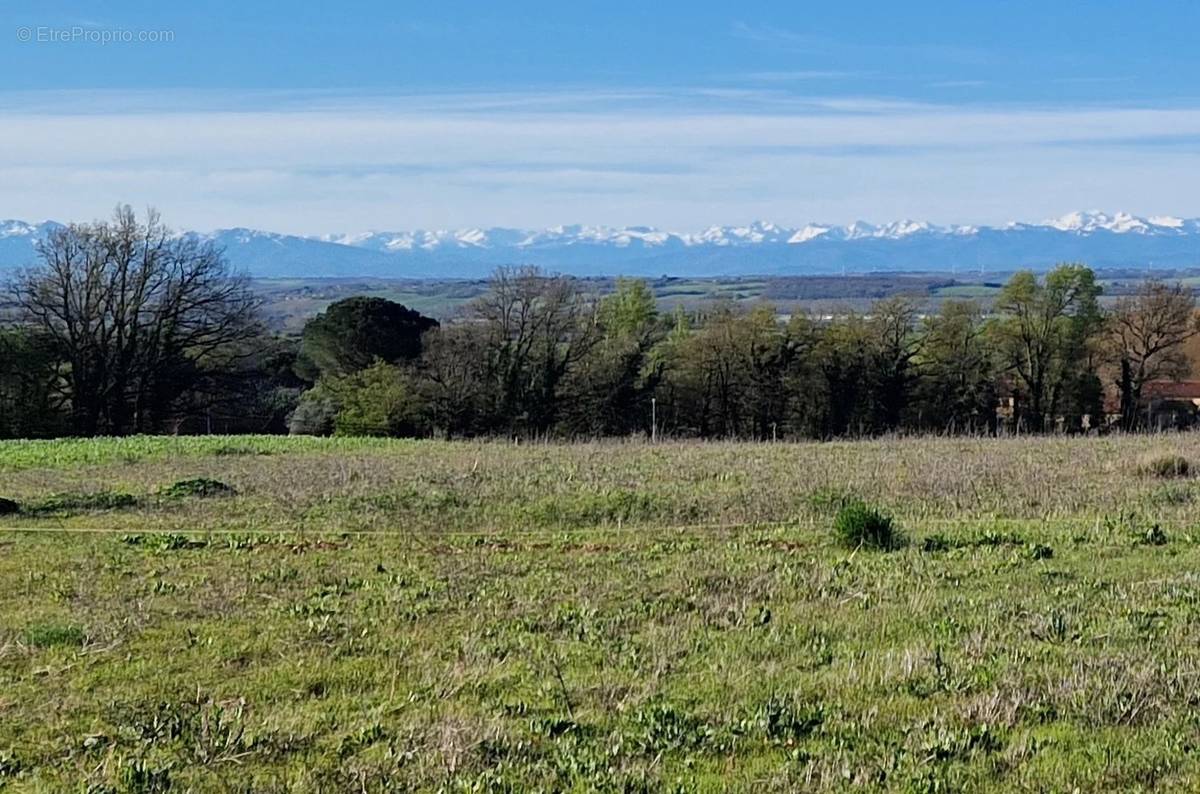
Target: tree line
[(124, 328)]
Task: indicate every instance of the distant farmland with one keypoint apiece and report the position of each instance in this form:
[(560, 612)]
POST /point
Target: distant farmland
[(289, 302)]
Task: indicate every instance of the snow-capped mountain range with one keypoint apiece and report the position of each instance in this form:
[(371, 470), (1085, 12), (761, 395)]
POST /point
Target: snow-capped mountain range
[(1097, 238)]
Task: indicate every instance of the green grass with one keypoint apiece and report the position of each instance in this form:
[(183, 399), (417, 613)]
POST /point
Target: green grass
[(389, 615), (69, 453)]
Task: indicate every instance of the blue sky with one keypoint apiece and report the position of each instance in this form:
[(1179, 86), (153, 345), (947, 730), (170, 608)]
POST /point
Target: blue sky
[(317, 117)]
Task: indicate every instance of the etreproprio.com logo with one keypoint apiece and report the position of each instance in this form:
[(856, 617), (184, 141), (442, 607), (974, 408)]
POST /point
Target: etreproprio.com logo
[(80, 34)]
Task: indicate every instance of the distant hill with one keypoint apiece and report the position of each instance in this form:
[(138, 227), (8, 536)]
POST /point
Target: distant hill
[(1099, 239)]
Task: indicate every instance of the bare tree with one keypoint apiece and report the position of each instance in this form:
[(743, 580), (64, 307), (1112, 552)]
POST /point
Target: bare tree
[(1145, 339), (137, 315), (455, 380), (537, 328)]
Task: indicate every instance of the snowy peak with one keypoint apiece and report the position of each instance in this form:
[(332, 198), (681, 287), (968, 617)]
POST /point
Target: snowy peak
[(903, 229), (1167, 222), (757, 233), (21, 229), (762, 247), (16, 229), (1120, 223), (759, 248), (810, 232), (858, 230)]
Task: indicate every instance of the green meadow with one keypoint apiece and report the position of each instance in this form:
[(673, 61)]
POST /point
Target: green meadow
[(309, 615)]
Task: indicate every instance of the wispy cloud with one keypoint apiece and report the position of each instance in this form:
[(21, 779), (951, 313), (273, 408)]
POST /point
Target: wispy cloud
[(958, 84), (770, 34), (802, 42), (334, 161), (805, 75)]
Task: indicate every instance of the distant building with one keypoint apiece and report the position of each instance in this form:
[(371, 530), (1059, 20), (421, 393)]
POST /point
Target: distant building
[(1171, 404), (1165, 404)]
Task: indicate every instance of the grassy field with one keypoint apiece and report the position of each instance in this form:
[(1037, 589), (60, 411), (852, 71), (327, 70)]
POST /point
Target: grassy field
[(410, 615)]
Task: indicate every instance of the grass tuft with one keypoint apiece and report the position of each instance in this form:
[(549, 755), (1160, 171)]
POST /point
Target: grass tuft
[(1165, 466), (53, 635), (859, 525)]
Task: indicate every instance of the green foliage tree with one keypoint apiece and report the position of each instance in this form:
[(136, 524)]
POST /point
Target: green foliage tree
[(629, 311), (379, 400), (376, 401), (608, 392), (958, 373), (842, 357), (32, 398), (352, 334), (726, 377), (1044, 337), (125, 328), (896, 345), (803, 410), (315, 412)]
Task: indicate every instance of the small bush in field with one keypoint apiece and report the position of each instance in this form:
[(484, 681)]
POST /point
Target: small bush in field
[(858, 524), (72, 503), (198, 486), (8, 507), (1165, 466)]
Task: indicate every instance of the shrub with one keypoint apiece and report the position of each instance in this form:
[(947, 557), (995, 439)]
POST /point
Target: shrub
[(8, 507), (84, 502), (377, 401), (858, 524), (314, 414), (1165, 466), (198, 486)]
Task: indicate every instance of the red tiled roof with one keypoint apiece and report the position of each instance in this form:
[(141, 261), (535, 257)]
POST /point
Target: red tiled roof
[(1172, 390)]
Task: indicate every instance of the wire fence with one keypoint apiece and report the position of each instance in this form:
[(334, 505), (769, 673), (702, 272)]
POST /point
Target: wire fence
[(631, 528)]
